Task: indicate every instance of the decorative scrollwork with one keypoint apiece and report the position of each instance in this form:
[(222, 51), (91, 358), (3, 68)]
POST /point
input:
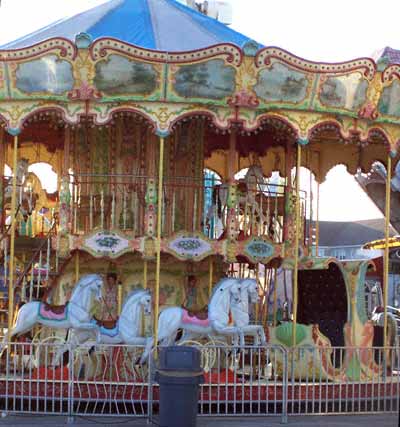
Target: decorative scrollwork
[(390, 73), (264, 57), (64, 47), (101, 47)]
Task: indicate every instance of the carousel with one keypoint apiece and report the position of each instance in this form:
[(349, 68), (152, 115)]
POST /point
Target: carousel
[(178, 186)]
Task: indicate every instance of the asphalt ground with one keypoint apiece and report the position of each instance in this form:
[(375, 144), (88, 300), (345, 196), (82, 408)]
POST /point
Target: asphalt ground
[(384, 420)]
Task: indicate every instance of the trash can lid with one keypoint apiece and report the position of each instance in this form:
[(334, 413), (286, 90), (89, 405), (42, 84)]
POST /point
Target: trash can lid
[(179, 358)]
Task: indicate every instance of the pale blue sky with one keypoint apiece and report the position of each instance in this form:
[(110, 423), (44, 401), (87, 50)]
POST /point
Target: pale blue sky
[(314, 29)]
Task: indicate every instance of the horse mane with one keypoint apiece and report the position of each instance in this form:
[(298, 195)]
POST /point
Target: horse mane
[(80, 285), (133, 293), (248, 279), (219, 285)]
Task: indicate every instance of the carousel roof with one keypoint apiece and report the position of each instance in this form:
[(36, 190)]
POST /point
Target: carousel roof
[(153, 24)]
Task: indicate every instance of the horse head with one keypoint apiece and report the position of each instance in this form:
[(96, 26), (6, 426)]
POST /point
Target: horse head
[(93, 282), (145, 302), (22, 170), (252, 288), (235, 291)]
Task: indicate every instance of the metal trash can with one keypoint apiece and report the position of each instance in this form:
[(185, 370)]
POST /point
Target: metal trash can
[(179, 376)]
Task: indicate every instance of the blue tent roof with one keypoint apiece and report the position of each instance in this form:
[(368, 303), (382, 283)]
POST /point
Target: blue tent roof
[(154, 24)]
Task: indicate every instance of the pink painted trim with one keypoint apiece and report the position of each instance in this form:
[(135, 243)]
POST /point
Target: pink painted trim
[(188, 320), (47, 314)]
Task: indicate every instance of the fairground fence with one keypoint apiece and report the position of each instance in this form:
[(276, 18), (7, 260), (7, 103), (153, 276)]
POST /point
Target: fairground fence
[(252, 381)]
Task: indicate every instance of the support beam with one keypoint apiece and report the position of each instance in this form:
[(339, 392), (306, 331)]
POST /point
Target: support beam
[(12, 238), (210, 276), (76, 267), (386, 256), (296, 246), (158, 240), (232, 156), (317, 224)]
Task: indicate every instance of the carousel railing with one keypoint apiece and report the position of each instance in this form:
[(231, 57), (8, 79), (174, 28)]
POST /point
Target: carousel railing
[(108, 202), (106, 380), (34, 279), (125, 202)]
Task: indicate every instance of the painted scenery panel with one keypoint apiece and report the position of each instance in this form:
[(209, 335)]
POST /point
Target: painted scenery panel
[(389, 104), (212, 79), (348, 92), (282, 84), (48, 74), (3, 83), (118, 75)]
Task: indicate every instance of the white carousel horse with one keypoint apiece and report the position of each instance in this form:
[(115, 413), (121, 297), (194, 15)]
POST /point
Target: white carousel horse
[(76, 314), (173, 318), (378, 319), (283, 292), (249, 292), (127, 329), (254, 182), (22, 171), (28, 200)]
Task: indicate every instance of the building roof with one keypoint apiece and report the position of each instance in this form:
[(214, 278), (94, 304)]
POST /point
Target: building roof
[(391, 55), (338, 233), (153, 24)]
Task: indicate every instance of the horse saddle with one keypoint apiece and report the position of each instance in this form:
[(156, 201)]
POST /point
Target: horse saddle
[(201, 314), (106, 324), (56, 309)]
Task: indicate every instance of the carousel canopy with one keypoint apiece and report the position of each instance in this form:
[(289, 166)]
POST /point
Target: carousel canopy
[(153, 24)]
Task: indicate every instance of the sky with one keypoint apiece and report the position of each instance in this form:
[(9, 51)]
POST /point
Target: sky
[(318, 30)]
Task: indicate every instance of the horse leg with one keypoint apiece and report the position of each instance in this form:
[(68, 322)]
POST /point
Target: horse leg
[(262, 336), (222, 329), (187, 336), (24, 323), (147, 350)]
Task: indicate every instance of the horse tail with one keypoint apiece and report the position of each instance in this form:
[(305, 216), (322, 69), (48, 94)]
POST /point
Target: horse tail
[(3, 343)]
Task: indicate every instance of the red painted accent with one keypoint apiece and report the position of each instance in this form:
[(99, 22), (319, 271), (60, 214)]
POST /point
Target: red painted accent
[(368, 111), (84, 93), (35, 50), (243, 99)]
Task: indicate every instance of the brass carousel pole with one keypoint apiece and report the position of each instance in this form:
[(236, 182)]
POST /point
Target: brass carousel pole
[(12, 232), (210, 276), (144, 287), (386, 257), (275, 296), (77, 266), (158, 240), (317, 224), (296, 246), (145, 274)]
